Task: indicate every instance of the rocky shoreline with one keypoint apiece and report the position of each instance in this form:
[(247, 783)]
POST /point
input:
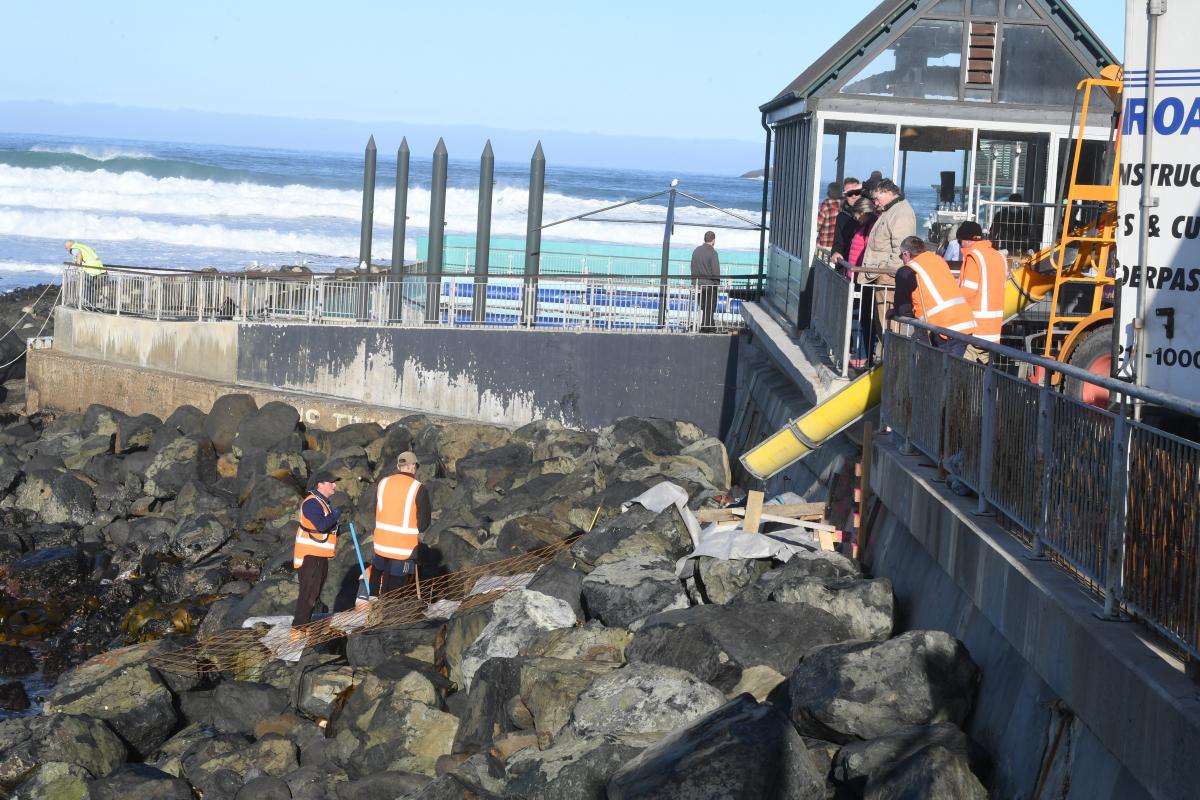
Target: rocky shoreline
[(605, 676)]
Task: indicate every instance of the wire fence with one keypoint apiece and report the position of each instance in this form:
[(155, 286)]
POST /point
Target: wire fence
[(1111, 497), (571, 302)]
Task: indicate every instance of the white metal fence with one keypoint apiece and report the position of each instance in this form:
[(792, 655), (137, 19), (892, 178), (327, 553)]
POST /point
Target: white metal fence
[(546, 301), (1112, 497)]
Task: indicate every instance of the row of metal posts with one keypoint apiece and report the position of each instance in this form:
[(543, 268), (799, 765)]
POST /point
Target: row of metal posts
[(435, 257)]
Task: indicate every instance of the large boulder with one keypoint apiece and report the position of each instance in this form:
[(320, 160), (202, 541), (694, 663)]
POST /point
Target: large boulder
[(459, 439), (222, 423), (55, 780), (238, 706), (865, 606), (495, 469), (56, 498), (550, 687), (802, 565), (172, 466), (717, 643), (642, 700), (368, 649), (196, 538), (572, 767), (864, 690), (120, 688), (218, 765), (637, 531), (563, 581), (530, 532), (590, 642), (743, 749), (485, 714), (271, 500), (183, 421), (136, 433), (99, 420), (623, 592), (384, 731), (857, 761), (719, 580), (29, 742), (517, 618), (461, 632), (932, 773), (262, 428), (140, 782)]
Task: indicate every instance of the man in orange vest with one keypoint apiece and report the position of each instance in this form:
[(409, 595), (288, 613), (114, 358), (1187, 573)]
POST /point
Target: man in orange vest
[(926, 289), (402, 512), (984, 271), (316, 542)]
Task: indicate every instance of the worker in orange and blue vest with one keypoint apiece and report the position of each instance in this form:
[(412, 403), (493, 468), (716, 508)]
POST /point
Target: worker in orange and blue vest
[(316, 542), (926, 289), (984, 272), (402, 512)]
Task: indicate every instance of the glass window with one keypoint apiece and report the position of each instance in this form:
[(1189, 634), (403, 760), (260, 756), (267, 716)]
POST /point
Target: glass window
[(1036, 68), (923, 63), (985, 8), (949, 7), (1019, 9)]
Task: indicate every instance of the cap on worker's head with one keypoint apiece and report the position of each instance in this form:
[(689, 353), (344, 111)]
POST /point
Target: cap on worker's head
[(407, 458), (324, 476), (969, 230)]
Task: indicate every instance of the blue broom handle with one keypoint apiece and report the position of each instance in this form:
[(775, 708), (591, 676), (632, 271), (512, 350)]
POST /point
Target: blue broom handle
[(362, 568)]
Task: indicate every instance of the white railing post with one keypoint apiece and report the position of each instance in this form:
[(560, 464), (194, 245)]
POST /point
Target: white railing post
[(120, 286)]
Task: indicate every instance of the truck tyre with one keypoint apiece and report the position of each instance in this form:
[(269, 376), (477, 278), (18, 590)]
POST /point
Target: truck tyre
[(1094, 354)]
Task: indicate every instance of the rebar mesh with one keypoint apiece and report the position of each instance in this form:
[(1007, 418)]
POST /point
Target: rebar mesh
[(1080, 455), (927, 381), (242, 649), (896, 411), (1016, 480), (964, 419)]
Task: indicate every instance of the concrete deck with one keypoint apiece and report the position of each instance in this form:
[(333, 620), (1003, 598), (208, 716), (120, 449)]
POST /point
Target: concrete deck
[(798, 358)]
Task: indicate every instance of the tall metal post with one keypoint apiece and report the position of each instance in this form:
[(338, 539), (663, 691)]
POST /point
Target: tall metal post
[(1118, 498), (762, 220), (368, 208), (664, 276), (987, 435), (483, 233), (400, 221), (437, 233), (533, 232), (1043, 465)]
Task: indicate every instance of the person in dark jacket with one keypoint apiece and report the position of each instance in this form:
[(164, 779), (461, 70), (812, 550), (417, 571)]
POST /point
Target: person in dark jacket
[(316, 542), (846, 223), (706, 275)]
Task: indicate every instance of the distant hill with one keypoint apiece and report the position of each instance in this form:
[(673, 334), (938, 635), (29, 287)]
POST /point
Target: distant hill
[(754, 173)]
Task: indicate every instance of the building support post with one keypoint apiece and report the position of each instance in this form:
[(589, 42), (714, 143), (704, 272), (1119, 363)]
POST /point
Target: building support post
[(533, 234), (437, 234), (483, 234)]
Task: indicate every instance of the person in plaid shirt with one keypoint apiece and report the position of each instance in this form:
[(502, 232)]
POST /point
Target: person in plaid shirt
[(827, 216)]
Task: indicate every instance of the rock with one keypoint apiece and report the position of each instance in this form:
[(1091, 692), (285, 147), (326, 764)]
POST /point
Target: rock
[(55, 780), (319, 689), (371, 648), (716, 643), (390, 732), (719, 580), (240, 705), (136, 433), (518, 714), (383, 450), (459, 439), (315, 782), (660, 436), (271, 500), (561, 581), (486, 713), (28, 742), (856, 761), (591, 642), (172, 466), (712, 454), (61, 567), (93, 448), (550, 686), (495, 468), (622, 593), (56, 498), (183, 421), (530, 532), (932, 773), (196, 538), (758, 682), (517, 617), (264, 787), (864, 690), (100, 420), (356, 434), (572, 767), (140, 782), (742, 749), (802, 565), (15, 660), (662, 533), (13, 696), (643, 700), (169, 756), (383, 786), (120, 688), (222, 762), (864, 605), (222, 423), (461, 632)]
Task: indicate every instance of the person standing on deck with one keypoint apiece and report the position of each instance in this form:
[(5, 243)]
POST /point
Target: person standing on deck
[(827, 216), (897, 221), (316, 542), (706, 275), (846, 223), (84, 256), (982, 278), (402, 512)]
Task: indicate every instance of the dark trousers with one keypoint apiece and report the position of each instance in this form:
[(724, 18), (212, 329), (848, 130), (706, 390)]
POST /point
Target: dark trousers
[(708, 306), (312, 571), (390, 573)]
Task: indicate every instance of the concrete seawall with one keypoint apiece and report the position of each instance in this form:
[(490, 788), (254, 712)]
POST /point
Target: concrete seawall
[(500, 376)]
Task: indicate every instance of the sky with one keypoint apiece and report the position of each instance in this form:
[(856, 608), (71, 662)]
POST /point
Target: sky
[(668, 70)]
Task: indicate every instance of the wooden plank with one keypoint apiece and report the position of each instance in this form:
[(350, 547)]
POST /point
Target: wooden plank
[(754, 503), (826, 540), (801, 511)]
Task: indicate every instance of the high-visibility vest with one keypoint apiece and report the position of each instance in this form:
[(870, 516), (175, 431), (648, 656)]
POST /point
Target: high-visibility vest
[(310, 541), (938, 299), (396, 534), (88, 259), (984, 271)]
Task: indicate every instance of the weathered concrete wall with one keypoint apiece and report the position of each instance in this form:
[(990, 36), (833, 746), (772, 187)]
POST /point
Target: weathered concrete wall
[(1081, 704), (200, 349), (502, 376), (63, 382)]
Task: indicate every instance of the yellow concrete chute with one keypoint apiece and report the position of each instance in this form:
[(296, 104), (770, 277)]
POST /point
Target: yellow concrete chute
[(808, 432)]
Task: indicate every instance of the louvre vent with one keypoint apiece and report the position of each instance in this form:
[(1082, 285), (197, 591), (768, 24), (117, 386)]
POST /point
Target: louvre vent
[(982, 54)]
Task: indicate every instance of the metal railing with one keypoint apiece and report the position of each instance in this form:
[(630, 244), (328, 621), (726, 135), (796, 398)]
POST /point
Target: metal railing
[(1113, 498), (460, 259), (840, 321), (546, 301)]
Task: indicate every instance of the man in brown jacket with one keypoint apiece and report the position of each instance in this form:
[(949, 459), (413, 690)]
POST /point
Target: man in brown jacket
[(897, 221)]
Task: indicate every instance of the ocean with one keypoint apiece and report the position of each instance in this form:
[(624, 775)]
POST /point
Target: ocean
[(160, 204), (188, 206)]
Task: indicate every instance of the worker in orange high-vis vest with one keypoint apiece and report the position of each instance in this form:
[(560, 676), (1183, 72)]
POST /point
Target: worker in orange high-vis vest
[(984, 271), (926, 289), (316, 542), (402, 512)]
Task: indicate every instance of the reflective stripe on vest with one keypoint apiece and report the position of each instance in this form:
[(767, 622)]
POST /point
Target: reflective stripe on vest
[(88, 259), (396, 533), (984, 271), (938, 299), (309, 542)]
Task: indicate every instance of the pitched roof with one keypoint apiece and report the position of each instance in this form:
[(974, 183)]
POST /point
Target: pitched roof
[(882, 21)]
